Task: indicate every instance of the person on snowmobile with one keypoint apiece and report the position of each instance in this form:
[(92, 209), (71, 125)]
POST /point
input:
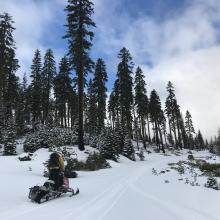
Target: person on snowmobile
[(56, 169)]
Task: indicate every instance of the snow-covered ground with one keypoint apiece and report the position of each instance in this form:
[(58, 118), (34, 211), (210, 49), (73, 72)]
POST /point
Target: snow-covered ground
[(127, 191)]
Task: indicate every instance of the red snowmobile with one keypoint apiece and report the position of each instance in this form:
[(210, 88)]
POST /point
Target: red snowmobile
[(48, 192)]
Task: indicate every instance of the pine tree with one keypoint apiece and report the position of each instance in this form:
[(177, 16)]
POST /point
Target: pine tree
[(114, 106), (183, 131), (8, 67), (107, 145), (189, 129), (156, 114), (92, 110), (111, 109), (163, 124), (26, 91), (99, 81), (199, 140), (178, 119), (48, 74), (218, 143), (124, 81), (64, 94), (9, 143), (36, 87), (206, 143), (79, 35), (11, 93), (141, 101), (19, 113), (147, 117), (170, 110)]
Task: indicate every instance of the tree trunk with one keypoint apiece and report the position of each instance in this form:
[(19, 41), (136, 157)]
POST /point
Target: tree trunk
[(174, 131), (148, 128), (157, 137), (143, 132), (161, 138), (179, 135), (135, 128)]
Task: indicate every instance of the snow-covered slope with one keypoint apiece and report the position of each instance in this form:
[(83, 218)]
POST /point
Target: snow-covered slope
[(127, 191)]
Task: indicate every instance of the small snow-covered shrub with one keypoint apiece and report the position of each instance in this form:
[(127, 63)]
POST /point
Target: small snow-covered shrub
[(74, 164), (179, 167), (96, 161), (141, 155), (212, 183), (211, 169), (10, 149), (156, 150), (190, 157), (200, 162), (154, 171), (49, 138)]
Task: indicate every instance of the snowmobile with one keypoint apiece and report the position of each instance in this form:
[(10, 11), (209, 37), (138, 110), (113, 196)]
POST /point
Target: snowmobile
[(48, 192)]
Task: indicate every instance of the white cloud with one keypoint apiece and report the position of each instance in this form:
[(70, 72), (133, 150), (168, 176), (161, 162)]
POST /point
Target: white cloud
[(183, 49), (196, 78), (32, 21)]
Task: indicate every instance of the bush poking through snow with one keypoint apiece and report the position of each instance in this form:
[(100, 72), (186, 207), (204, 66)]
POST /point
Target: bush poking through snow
[(190, 157), (74, 164), (95, 161), (141, 155), (211, 169), (70, 168), (154, 172), (212, 183)]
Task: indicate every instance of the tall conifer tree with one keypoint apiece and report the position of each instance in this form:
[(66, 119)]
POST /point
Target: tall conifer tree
[(170, 106), (63, 92), (99, 81), (79, 35), (156, 114), (124, 83), (48, 74), (8, 67), (92, 110), (36, 87), (189, 129), (141, 100)]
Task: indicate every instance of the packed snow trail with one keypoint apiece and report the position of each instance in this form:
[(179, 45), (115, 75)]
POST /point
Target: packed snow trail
[(128, 191)]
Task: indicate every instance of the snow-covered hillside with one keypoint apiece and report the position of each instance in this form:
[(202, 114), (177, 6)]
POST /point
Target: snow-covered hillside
[(127, 191)]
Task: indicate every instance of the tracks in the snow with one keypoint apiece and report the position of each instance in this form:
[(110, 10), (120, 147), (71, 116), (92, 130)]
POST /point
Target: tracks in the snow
[(99, 206)]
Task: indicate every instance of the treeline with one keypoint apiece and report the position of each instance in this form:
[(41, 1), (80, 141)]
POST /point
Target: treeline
[(66, 98)]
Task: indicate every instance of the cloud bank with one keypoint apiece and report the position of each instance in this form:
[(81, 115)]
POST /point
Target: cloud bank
[(183, 48)]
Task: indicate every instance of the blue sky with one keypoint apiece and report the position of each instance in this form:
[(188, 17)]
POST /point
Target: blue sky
[(132, 10), (175, 40)]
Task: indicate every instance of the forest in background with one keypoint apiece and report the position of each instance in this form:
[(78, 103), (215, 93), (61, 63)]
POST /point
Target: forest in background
[(65, 107)]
